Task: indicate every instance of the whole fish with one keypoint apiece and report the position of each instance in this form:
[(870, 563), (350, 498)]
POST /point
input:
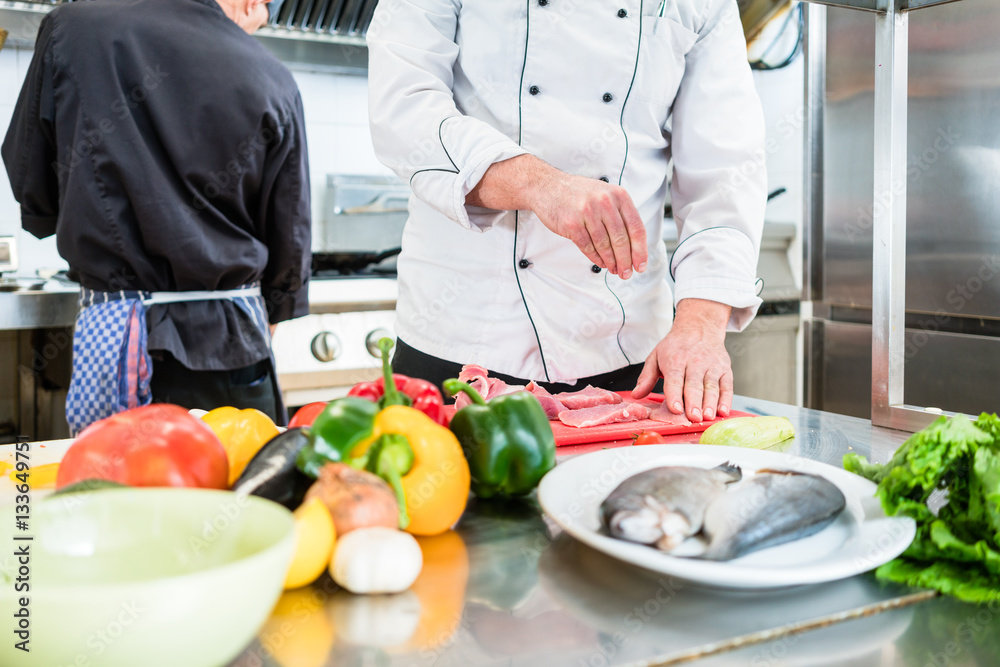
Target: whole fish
[(664, 506), (770, 508)]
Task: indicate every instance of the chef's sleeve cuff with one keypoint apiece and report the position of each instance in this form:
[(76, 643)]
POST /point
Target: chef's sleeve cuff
[(38, 226), (285, 305), (741, 297), (719, 264), (476, 217)]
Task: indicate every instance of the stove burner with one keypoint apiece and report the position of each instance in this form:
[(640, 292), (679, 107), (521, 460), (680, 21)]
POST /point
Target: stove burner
[(338, 264), (370, 272)]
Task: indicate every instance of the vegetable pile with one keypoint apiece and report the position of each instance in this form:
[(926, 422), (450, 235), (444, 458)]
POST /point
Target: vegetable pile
[(957, 546), (363, 474)]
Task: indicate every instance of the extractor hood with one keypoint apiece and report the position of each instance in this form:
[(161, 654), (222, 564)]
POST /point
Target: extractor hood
[(755, 14), (323, 34)]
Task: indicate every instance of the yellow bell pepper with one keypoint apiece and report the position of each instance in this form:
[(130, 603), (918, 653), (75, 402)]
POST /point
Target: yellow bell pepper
[(39, 477), (242, 432), (433, 480)]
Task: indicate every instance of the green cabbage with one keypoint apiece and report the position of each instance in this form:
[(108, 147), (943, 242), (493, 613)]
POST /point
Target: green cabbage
[(956, 551)]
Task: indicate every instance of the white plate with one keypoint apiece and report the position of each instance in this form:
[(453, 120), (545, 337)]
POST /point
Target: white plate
[(860, 539)]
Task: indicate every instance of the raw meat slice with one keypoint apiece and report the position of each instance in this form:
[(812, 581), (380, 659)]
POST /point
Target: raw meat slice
[(588, 397), (479, 379), (663, 414), (550, 403), (604, 414)]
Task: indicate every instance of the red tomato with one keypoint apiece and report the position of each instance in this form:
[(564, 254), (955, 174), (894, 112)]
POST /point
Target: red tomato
[(155, 445), (306, 415), (649, 438)]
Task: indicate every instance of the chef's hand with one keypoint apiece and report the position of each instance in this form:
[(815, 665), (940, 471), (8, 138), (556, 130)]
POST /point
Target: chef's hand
[(692, 359), (598, 217)]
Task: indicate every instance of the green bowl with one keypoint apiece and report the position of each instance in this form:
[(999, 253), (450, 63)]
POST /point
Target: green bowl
[(143, 577)]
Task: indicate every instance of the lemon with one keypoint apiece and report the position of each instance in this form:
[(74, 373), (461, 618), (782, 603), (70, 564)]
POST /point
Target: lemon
[(315, 537)]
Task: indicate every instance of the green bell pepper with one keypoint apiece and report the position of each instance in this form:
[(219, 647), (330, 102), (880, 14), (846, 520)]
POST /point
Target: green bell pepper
[(346, 423), (508, 441), (335, 433)]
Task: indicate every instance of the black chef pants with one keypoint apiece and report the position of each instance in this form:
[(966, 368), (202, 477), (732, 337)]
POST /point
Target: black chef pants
[(414, 363), (253, 386)]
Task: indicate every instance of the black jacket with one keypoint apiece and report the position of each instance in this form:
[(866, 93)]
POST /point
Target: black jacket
[(165, 149)]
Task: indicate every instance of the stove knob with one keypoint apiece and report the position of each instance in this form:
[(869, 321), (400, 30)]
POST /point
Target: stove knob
[(371, 341), (325, 346)]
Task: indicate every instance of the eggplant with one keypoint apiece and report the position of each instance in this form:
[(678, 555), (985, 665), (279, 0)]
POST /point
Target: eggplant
[(272, 473)]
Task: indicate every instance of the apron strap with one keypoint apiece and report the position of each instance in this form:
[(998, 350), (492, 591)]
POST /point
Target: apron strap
[(157, 298), (111, 363)]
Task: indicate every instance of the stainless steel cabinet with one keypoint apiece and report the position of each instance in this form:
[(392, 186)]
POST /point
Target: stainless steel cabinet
[(953, 212)]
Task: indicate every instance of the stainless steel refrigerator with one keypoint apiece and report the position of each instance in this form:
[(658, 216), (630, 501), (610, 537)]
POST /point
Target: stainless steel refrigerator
[(952, 339)]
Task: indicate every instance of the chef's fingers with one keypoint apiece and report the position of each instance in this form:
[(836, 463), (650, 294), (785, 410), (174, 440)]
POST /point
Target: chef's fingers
[(725, 393), (636, 233), (579, 235), (621, 244), (673, 389), (710, 399), (647, 378), (593, 218), (694, 390)]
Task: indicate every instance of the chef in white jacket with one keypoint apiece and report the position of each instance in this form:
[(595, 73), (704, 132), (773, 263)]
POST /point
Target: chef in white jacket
[(537, 137)]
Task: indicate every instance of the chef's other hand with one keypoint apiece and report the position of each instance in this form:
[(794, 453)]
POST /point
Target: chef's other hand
[(598, 217), (692, 359)]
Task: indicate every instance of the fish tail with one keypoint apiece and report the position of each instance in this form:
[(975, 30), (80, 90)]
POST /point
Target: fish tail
[(731, 469)]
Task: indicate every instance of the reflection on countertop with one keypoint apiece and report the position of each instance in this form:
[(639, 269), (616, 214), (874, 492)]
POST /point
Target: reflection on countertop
[(506, 587)]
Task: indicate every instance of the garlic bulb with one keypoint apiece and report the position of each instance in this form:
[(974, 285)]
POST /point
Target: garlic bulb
[(376, 560)]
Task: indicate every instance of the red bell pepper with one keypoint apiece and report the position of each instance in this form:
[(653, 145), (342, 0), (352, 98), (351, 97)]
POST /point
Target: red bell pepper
[(419, 394), (305, 415), (155, 445)]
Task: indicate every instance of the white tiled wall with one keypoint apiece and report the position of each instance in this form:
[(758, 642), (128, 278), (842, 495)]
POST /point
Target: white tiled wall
[(336, 109), (34, 254), (781, 93)]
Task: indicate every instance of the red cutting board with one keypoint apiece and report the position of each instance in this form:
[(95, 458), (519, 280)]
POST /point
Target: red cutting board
[(571, 435)]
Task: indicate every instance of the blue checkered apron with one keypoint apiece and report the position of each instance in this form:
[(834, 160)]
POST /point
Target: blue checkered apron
[(112, 368)]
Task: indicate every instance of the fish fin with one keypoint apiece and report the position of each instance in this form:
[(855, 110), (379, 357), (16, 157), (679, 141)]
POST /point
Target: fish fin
[(731, 469)]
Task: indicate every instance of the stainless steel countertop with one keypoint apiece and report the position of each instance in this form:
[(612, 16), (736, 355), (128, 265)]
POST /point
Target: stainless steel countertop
[(530, 595), (52, 306)]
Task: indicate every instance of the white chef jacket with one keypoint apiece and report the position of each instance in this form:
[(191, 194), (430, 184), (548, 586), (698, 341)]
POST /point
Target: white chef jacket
[(602, 89)]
